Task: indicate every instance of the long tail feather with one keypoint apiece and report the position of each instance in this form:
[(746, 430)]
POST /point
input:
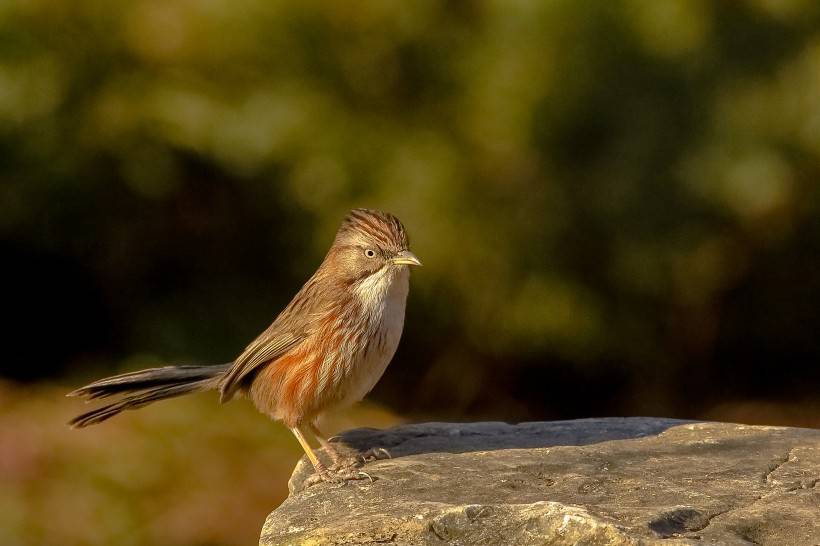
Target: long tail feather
[(145, 387), (146, 379)]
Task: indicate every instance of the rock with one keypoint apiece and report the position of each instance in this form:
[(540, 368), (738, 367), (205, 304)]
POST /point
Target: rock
[(635, 481)]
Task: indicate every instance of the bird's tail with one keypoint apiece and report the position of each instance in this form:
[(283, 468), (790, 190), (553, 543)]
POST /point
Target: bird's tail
[(145, 387)]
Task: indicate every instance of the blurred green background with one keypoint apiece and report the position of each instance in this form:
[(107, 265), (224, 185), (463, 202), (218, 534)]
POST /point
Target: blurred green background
[(617, 205)]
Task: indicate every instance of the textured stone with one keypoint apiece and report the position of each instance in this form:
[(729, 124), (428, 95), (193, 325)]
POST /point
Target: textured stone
[(637, 481)]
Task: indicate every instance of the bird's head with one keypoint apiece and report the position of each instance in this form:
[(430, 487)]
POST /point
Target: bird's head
[(370, 245)]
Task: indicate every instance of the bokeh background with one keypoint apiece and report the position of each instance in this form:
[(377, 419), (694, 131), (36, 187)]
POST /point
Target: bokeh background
[(617, 204)]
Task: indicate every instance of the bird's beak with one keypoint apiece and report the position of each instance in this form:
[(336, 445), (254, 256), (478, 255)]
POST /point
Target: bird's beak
[(405, 257)]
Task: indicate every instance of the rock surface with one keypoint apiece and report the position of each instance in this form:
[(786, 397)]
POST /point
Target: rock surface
[(636, 481)]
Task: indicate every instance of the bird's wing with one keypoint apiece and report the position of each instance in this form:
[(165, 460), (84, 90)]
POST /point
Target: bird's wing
[(289, 329), (267, 347)]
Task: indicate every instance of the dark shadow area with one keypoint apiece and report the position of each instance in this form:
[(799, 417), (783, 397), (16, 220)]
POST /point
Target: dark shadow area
[(414, 439)]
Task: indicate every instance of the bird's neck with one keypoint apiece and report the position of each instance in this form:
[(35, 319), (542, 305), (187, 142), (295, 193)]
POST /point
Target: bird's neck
[(384, 291)]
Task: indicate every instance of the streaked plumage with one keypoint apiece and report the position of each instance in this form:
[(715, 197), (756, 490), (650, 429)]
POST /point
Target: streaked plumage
[(326, 349)]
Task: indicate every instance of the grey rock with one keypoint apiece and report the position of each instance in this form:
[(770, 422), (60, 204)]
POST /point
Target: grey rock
[(635, 481)]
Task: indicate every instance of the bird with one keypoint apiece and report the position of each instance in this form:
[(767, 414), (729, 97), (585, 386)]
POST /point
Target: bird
[(325, 351)]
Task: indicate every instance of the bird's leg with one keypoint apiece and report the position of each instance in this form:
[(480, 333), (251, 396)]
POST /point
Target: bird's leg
[(335, 456), (356, 461), (322, 474), (317, 464)]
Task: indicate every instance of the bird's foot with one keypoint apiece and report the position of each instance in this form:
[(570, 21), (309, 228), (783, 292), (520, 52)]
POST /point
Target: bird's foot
[(360, 459), (374, 454), (338, 476)]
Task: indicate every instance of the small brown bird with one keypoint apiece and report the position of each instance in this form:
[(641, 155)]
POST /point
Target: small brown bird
[(325, 351)]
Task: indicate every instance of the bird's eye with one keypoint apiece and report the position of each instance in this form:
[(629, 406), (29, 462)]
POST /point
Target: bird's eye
[(370, 253)]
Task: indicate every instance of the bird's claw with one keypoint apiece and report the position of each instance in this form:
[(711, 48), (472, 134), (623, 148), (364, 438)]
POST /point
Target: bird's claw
[(374, 454), (361, 459)]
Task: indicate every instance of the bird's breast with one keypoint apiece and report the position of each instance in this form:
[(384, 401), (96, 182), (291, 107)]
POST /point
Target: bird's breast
[(343, 359), (383, 302)]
